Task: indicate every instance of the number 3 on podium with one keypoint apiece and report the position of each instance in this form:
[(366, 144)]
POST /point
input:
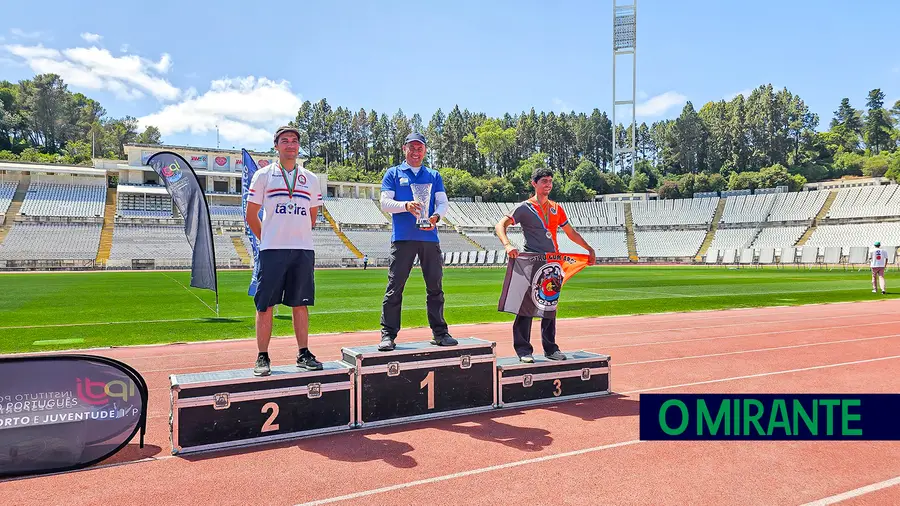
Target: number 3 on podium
[(428, 383)]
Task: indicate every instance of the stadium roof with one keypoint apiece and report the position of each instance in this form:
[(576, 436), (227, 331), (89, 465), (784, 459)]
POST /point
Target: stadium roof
[(163, 147), (50, 167)]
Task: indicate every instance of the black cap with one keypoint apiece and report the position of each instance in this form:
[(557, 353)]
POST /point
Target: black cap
[(415, 136), (284, 130)]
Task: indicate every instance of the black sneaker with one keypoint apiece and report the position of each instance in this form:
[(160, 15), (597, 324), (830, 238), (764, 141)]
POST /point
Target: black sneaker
[(444, 340), (386, 344), (306, 360), (556, 355), (263, 366)]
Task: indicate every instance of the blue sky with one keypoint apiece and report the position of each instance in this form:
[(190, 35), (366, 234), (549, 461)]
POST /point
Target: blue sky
[(189, 65)]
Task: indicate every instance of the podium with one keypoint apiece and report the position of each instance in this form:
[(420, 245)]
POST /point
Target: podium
[(370, 388), (419, 380), (581, 375), (226, 409)]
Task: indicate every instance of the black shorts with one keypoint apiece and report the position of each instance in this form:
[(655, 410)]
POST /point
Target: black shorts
[(286, 276)]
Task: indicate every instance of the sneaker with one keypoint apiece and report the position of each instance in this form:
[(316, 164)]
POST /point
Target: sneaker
[(444, 340), (883, 292), (386, 344), (875, 291), (263, 366), (306, 360), (556, 355), (528, 359)]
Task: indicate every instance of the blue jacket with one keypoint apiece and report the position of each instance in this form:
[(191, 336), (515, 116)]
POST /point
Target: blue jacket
[(398, 180)]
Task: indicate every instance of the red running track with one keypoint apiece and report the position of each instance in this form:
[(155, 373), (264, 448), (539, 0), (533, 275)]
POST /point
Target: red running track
[(567, 453)]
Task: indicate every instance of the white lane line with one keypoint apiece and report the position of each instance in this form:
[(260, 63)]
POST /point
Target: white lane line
[(756, 350), (760, 375), (850, 494), (436, 479), (549, 457), (767, 333), (472, 472), (288, 341)]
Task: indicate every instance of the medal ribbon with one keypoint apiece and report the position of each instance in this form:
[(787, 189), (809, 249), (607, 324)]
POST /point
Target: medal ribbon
[(290, 185), (545, 219)]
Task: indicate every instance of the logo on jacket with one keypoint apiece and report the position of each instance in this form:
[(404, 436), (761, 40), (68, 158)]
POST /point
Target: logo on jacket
[(545, 286)]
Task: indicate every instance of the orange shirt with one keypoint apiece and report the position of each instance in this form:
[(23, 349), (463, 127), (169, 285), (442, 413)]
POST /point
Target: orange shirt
[(540, 224)]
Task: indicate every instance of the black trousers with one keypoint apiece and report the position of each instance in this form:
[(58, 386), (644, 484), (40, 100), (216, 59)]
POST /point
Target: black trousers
[(522, 335), (403, 254)]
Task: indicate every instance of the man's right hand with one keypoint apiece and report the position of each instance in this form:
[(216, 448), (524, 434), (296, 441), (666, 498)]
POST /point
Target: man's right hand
[(512, 251), (414, 207)]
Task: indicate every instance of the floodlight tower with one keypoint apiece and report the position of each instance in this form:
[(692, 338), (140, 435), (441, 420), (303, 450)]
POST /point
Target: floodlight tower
[(624, 43)]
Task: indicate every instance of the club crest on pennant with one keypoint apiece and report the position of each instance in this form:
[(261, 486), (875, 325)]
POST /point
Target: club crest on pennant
[(546, 285)]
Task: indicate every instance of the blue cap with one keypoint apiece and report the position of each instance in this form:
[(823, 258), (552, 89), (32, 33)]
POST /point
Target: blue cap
[(415, 136)]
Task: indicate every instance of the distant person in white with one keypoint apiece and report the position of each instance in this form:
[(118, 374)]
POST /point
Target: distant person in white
[(879, 262)]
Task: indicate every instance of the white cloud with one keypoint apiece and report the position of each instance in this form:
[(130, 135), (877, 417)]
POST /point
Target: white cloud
[(561, 106), (93, 38), (245, 109), (658, 105), (22, 34), (745, 93), (124, 48), (165, 63), (129, 77), (642, 95)]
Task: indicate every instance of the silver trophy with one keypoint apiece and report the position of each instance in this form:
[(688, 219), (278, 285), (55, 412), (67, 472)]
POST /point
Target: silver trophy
[(422, 195)]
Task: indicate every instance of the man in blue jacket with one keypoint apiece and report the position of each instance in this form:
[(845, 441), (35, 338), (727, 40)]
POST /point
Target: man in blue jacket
[(414, 195)]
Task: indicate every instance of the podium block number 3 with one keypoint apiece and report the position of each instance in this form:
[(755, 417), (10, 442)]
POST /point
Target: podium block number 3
[(269, 426), (428, 383)]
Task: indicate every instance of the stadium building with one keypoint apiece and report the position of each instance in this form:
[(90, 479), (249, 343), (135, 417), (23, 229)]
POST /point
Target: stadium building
[(117, 215)]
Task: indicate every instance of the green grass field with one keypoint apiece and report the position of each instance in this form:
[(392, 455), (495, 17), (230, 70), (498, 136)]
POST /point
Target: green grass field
[(81, 310)]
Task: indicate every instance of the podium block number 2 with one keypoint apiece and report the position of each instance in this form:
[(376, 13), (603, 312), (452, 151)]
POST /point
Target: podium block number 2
[(428, 383), (269, 426)]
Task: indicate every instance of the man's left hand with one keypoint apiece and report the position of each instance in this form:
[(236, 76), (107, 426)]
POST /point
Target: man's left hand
[(434, 219)]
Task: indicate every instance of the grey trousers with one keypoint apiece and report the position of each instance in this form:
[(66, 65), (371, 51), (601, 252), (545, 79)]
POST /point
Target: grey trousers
[(403, 254)]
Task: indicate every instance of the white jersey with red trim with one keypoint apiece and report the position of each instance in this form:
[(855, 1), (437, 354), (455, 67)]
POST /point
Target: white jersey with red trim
[(285, 220), (879, 257)]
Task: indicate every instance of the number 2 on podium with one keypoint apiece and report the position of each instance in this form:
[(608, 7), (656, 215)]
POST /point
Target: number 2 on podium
[(269, 426), (428, 383)]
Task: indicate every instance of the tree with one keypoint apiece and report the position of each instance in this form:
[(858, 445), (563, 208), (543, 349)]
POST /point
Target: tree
[(150, 135), (878, 123)]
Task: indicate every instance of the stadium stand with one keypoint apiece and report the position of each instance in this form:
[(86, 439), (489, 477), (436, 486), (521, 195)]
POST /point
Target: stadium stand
[(166, 245), (64, 200), (747, 208), (60, 221), (797, 206), (668, 243), (51, 241), (778, 236), (347, 211), (866, 202), (674, 212), (7, 191), (859, 234), (375, 243)]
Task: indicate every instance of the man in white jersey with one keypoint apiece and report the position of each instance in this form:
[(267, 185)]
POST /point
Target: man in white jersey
[(289, 196), (879, 262)]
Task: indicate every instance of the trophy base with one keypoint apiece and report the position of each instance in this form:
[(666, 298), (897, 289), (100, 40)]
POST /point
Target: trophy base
[(424, 225)]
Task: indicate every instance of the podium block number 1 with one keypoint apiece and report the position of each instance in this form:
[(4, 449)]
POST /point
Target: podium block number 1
[(428, 383)]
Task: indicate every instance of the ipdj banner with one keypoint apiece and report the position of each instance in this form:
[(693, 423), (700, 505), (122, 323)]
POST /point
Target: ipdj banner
[(65, 412), (774, 417)]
